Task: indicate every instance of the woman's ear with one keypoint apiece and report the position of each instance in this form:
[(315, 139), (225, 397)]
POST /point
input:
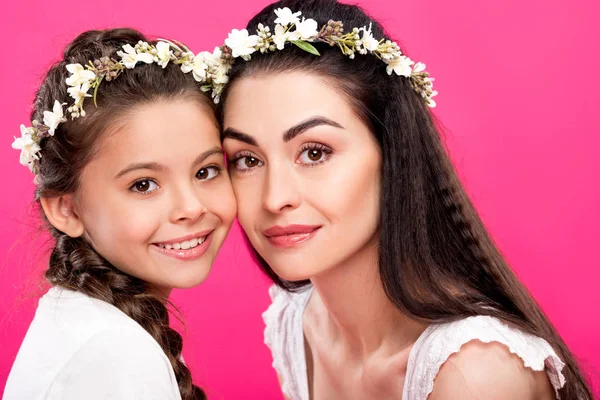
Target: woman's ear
[(60, 211)]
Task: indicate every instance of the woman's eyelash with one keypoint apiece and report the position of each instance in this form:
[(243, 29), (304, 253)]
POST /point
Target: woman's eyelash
[(316, 146)]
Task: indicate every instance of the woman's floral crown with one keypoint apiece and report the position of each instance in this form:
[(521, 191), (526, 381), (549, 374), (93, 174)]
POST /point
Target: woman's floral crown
[(290, 29), (211, 69)]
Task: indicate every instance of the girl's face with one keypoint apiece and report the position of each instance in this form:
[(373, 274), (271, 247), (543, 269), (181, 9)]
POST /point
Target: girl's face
[(157, 201), (305, 170)]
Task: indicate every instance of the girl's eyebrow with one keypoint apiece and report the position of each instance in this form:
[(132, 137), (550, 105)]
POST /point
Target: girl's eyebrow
[(154, 166)]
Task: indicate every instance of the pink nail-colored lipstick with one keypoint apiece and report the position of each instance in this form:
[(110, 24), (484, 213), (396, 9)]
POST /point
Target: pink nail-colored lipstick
[(290, 235)]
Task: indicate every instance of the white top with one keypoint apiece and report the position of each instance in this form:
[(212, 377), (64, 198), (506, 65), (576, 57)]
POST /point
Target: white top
[(78, 348), (285, 337)]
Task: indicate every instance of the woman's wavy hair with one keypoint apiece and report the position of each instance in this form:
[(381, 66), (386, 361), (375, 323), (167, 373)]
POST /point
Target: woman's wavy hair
[(437, 261), (74, 264)]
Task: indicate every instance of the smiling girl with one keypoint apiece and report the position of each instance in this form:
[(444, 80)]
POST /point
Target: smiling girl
[(131, 179)]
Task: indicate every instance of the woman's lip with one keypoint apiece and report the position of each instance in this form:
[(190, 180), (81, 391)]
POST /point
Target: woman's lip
[(291, 240), (189, 254), (278, 230), (186, 238)]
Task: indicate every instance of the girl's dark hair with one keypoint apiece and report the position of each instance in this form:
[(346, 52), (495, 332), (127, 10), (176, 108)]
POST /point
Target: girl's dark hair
[(437, 261), (74, 264)]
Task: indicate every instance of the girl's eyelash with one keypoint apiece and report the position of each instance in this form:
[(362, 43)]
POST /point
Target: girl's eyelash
[(146, 193)]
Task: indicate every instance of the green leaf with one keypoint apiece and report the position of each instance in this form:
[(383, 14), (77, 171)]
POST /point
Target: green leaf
[(96, 89), (306, 47)]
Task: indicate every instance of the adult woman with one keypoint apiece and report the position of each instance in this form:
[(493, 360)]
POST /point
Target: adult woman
[(384, 270)]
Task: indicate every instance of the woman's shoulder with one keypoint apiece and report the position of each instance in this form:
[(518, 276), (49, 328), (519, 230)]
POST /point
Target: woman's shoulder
[(478, 355), (489, 370)]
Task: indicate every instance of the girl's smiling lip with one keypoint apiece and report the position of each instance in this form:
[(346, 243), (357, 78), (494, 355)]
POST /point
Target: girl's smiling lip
[(187, 238)]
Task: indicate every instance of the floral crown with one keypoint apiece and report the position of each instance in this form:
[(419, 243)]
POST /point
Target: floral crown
[(211, 69), (207, 69), (290, 29)]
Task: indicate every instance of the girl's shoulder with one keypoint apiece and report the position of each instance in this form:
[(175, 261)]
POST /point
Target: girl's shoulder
[(482, 352), (76, 344)]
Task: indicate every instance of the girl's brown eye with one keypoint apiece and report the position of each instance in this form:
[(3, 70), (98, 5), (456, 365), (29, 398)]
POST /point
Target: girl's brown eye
[(207, 173), (142, 186)]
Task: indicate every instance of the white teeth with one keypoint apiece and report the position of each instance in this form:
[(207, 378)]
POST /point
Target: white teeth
[(185, 245)]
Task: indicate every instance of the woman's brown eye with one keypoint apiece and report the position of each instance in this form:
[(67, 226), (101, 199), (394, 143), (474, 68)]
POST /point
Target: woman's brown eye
[(250, 162), (315, 154)]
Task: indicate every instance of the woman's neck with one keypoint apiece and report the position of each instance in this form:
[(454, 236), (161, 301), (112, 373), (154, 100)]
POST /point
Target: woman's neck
[(359, 311)]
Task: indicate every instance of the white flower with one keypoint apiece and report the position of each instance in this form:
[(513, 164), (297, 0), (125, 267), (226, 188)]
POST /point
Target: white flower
[(241, 44), (198, 68), (280, 36), (79, 92), (285, 16), (29, 148), (79, 75), (419, 67), (368, 41), (221, 77), (305, 30), (163, 53), (54, 117), (130, 57), (401, 66)]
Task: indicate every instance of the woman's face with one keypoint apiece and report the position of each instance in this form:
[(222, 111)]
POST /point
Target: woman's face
[(305, 170)]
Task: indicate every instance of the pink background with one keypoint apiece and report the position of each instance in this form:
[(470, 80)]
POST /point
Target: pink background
[(518, 82)]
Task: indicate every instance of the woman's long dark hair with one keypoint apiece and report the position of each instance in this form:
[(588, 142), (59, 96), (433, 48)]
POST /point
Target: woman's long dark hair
[(74, 264), (437, 261)]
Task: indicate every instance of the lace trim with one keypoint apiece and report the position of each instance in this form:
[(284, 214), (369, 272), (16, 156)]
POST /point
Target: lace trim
[(439, 342), (282, 321)]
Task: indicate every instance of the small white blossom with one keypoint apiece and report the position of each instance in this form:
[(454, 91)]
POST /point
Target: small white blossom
[(54, 117), (130, 57), (29, 148), (305, 30), (419, 67), (285, 16), (198, 68), (400, 66), (79, 75), (163, 53), (79, 93), (368, 41), (280, 36), (241, 43)]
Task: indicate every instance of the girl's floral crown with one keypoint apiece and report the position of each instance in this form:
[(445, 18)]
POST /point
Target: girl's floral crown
[(208, 69), (211, 69)]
